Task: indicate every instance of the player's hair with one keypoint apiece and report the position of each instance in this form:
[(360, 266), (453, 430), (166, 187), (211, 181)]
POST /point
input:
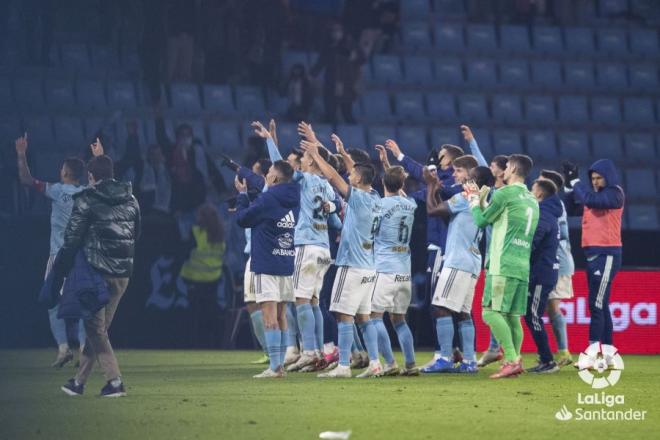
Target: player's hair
[(556, 178), (359, 155), (297, 152), (453, 151), (332, 161), (500, 160), (264, 165), (341, 164), (468, 162), (394, 178), (366, 171), (523, 164), (547, 187), (284, 169), (101, 167), (324, 153), (209, 220), (75, 168), (483, 176)]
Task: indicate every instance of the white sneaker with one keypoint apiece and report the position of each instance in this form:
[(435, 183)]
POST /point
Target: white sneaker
[(328, 347), (292, 356), (489, 357), (338, 371), (304, 360), (391, 369), (375, 369), (430, 363), (270, 374)]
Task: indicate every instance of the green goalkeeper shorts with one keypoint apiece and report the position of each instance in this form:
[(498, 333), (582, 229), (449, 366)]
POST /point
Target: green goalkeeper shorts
[(505, 295)]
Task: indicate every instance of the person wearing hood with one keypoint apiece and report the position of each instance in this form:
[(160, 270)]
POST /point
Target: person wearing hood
[(271, 218), (104, 223), (544, 271), (601, 207)]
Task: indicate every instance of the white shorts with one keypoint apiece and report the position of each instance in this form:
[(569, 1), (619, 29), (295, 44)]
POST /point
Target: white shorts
[(563, 289), (352, 291), (248, 284), (392, 293), (276, 288), (312, 262), (455, 290)]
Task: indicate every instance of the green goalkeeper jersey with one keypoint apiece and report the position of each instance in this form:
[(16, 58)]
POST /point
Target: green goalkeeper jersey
[(514, 213)]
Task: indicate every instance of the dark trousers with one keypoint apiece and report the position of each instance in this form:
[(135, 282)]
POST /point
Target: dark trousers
[(601, 270), (537, 299), (205, 314)]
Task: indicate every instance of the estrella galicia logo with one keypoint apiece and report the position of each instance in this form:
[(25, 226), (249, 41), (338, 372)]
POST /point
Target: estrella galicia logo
[(600, 365)]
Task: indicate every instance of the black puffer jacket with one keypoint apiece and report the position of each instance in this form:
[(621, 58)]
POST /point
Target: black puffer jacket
[(105, 223)]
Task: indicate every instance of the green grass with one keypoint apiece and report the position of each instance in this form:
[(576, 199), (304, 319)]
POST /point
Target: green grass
[(211, 395)]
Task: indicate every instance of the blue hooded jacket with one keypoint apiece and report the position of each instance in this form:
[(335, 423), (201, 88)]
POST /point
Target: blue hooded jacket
[(544, 266), (272, 217)]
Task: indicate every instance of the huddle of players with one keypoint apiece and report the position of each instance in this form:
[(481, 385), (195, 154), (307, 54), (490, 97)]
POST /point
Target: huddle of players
[(290, 255)]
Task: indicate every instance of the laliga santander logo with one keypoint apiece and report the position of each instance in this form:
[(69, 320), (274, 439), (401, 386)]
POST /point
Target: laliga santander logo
[(600, 365)]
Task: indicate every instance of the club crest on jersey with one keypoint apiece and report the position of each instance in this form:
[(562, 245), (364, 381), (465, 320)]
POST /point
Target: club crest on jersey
[(288, 221), (285, 240)]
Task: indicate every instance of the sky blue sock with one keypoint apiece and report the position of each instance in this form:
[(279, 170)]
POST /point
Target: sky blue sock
[(273, 341), (559, 329), (357, 342), (494, 345), (307, 326), (283, 345), (345, 340), (258, 328), (292, 326), (370, 335), (406, 342), (318, 329), (444, 326), (467, 336), (384, 343)]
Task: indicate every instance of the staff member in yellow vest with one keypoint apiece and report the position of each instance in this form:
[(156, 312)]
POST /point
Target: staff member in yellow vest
[(201, 273)]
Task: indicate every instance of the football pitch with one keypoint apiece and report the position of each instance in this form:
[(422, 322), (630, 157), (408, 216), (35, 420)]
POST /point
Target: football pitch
[(211, 395)]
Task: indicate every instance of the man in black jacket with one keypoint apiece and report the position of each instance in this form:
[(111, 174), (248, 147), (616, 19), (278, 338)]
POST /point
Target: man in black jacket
[(104, 223)]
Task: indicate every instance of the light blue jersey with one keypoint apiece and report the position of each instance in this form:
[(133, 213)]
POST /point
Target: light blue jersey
[(356, 247), (312, 224), (61, 195), (393, 237), (463, 238), (566, 263)]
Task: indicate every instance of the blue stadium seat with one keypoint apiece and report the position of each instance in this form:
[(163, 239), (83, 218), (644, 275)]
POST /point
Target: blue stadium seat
[(69, 134), (514, 39), (606, 145), (611, 76), (541, 145), (507, 141), (184, 97), (28, 93), (481, 37), (573, 109), (606, 110), (481, 72), (323, 133), (40, 132), (643, 217), (250, 101), (445, 135), (579, 75), (10, 128), (547, 39), (292, 57), (410, 105), (103, 57), (643, 77), (579, 40), (514, 73), (449, 8), (95, 124), (546, 74), (6, 94), (507, 108), (59, 93), (353, 136), (612, 7), (224, 138), (121, 94), (415, 9), (448, 71), (418, 70), (639, 146), (574, 146), (644, 42), (386, 69), (638, 111), (415, 35), (287, 136), (449, 37), (472, 108), (485, 140), (640, 184), (441, 106), (218, 98), (612, 41), (413, 141), (378, 134), (540, 109), (90, 94), (76, 55), (376, 106)]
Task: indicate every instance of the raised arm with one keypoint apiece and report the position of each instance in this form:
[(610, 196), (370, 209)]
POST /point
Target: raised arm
[(328, 171), (382, 155), (249, 214), (434, 207), (607, 198), (412, 167), (339, 145), (273, 152), (24, 174), (474, 147)]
